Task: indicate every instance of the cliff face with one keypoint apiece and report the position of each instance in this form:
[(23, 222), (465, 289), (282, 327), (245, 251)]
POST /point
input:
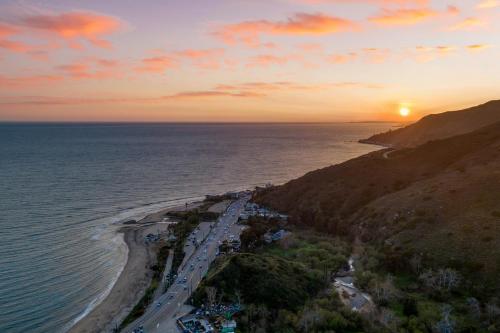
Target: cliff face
[(440, 126), (440, 199)]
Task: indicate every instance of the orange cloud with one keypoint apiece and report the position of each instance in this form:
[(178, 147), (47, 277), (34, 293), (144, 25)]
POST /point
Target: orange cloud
[(487, 4), (470, 23), (429, 53), (248, 32), (288, 85), (310, 47), (342, 58), (376, 55), (267, 60), (403, 16), (91, 68), (477, 47)]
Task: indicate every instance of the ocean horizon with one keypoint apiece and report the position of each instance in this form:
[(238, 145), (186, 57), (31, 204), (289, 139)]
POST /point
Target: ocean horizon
[(66, 186)]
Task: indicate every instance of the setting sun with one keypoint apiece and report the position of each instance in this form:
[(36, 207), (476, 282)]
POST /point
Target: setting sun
[(404, 111)]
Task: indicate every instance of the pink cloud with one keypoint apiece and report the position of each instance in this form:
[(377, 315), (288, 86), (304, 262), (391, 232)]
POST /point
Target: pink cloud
[(201, 58), (248, 32), (7, 30), (75, 25), (27, 81), (375, 2), (211, 93), (71, 27), (158, 64), (91, 68), (14, 46)]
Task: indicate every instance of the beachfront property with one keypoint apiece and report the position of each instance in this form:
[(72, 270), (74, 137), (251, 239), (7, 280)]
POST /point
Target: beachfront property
[(253, 209), (193, 323), (217, 318)]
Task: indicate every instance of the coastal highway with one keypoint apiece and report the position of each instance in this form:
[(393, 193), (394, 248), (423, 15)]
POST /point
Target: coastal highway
[(161, 317)]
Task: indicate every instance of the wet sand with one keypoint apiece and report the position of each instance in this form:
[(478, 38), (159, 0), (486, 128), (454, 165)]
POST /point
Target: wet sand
[(135, 277)]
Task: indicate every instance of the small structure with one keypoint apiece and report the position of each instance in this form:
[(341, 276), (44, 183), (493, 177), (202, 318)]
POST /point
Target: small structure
[(228, 326), (152, 238), (277, 236), (194, 324)]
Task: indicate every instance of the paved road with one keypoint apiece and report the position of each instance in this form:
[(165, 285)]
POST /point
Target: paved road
[(159, 318), (387, 153)]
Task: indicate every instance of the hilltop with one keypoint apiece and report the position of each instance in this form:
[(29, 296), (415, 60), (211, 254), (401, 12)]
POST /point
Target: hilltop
[(439, 126), (438, 201)]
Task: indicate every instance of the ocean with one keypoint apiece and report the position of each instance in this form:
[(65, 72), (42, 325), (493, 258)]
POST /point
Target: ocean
[(64, 188)]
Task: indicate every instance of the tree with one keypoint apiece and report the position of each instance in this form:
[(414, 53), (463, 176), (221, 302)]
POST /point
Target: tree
[(474, 307), (385, 291), (446, 325), (442, 279), (211, 295), (416, 263), (310, 316)]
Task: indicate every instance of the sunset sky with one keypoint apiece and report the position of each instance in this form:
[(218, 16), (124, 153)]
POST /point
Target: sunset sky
[(245, 60)]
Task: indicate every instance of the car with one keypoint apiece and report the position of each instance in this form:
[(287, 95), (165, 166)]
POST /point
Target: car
[(185, 287), (158, 304)]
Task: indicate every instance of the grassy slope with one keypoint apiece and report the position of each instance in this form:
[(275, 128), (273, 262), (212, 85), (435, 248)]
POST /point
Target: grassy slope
[(440, 126), (268, 280)]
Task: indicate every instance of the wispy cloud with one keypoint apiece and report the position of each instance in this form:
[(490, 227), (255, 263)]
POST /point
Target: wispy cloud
[(409, 16), (375, 2), (488, 4), (27, 81), (249, 32), (72, 27), (470, 23), (390, 17), (477, 47)]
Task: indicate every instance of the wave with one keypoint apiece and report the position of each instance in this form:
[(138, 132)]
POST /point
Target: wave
[(110, 227)]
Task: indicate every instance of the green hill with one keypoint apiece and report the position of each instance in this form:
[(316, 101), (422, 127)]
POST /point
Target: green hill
[(440, 200)]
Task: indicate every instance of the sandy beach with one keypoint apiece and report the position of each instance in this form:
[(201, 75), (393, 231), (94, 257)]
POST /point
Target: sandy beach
[(135, 277)]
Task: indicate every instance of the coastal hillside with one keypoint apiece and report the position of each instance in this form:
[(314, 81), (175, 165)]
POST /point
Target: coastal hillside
[(438, 200), (439, 126)]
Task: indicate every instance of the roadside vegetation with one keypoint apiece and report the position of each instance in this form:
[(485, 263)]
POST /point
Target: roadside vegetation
[(286, 286), (187, 221), (147, 299), (413, 296)]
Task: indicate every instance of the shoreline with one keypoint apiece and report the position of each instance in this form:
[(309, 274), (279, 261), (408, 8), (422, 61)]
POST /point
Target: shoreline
[(133, 279)]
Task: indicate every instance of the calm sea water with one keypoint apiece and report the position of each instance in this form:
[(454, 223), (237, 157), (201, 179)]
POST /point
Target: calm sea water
[(62, 186)]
